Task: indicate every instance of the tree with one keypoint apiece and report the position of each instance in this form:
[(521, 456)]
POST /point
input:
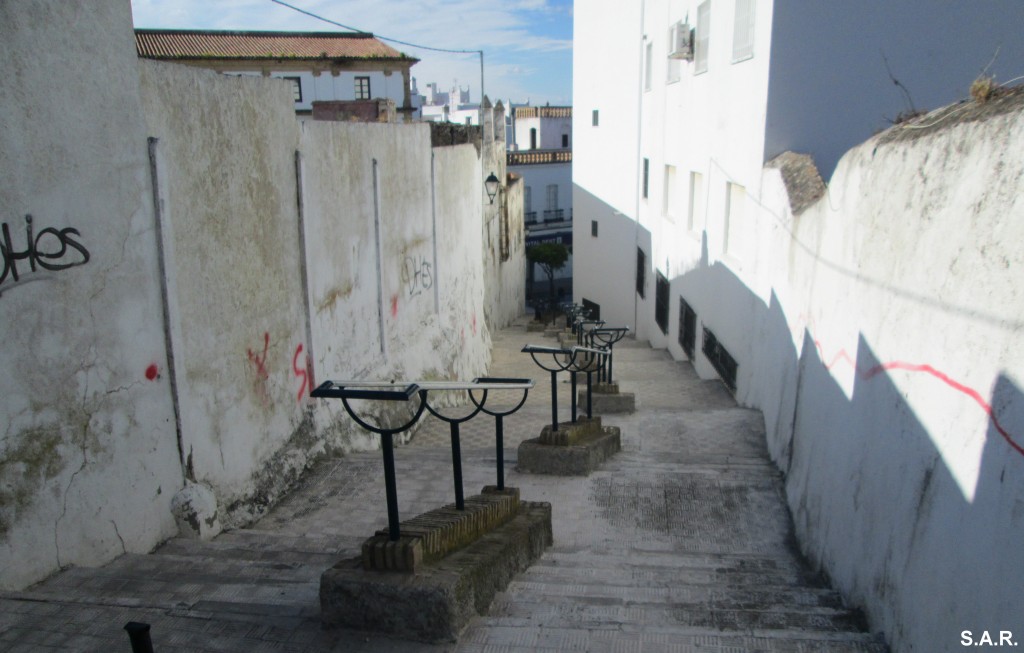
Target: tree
[(551, 257)]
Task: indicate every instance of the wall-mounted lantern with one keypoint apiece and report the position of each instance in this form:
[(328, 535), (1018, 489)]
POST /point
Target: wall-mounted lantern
[(491, 185)]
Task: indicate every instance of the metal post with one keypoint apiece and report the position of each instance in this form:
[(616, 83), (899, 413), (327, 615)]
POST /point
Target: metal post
[(138, 635), (554, 401), (573, 376), (499, 435), (460, 502), (590, 403), (387, 447)]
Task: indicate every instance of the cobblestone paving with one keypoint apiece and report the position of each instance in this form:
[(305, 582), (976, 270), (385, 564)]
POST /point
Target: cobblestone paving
[(681, 542)]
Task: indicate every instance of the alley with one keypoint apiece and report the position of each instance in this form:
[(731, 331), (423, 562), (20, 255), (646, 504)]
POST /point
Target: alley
[(681, 542)]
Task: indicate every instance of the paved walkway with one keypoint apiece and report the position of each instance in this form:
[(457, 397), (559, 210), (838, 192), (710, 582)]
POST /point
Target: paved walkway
[(681, 542)]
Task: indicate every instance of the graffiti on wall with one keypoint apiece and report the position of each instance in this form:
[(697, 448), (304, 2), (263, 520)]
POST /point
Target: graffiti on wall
[(305, 375), (259, 367), (417, 275), (48, 249)]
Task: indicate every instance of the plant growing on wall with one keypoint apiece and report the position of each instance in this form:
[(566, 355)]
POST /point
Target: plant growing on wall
[(551, 257)]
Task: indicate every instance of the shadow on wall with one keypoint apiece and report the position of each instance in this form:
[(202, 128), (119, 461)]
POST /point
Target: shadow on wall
[(875, 505)]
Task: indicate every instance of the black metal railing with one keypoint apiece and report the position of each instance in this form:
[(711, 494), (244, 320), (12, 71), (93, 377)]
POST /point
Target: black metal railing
[(554, 215), (349, 391)]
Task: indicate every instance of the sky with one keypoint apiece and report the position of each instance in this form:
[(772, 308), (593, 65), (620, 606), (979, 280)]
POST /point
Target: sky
[(527, 44)]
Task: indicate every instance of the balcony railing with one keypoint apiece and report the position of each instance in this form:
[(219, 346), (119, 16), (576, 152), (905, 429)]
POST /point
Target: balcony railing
[(536, 157), (530, 217), (554, 215)]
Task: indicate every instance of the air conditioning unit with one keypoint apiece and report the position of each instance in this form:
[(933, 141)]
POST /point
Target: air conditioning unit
[(681, 42)]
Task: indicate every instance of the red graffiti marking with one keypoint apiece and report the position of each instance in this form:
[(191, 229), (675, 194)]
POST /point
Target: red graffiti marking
[(305, 374), (474, 324), (875, 370), (260, 362), (152, 372), (394, 305)]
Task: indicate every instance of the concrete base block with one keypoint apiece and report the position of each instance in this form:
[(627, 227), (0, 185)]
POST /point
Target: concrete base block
[(578, 459), (605, 403), (436, 603), (535, 327)]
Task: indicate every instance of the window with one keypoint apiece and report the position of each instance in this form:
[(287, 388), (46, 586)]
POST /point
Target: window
[(696, 208), (591, 309), (648, 56), (528, 199), (735, 199), (687, 328), (552, 197), (533, 138), (743, 31), (720, 359), (671, 194), (565, 140), (593, 228), (296, 88), (661, 303), (674, 65), (641, 272), (647, 174), (700, 56), (362, 88), (594, 118)]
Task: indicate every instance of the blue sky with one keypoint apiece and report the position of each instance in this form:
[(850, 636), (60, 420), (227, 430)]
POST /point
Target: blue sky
[(527, 44)]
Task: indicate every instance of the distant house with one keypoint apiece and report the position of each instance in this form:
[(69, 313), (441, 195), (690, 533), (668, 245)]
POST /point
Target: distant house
[(541, 152), (322, 66)]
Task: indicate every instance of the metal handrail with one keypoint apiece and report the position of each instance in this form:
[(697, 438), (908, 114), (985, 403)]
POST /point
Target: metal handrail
[(405, 391)]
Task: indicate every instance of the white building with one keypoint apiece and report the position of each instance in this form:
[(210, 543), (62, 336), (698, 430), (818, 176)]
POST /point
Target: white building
[(883, 363), (542, 155), (320, 65)]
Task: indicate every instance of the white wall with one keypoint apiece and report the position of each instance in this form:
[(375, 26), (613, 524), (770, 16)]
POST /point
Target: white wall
[(273, 282), (902, 486), (830, 88), (88, 453)]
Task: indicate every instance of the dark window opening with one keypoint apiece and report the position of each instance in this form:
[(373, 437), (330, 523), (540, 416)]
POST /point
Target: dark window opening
[(593, 228), (594, 118), (641, 272), (296, 88), (647, 175), (687, 328), (592, 309), (362, 88), (720, 359), (533, 138), (565, 140), (661, 302)]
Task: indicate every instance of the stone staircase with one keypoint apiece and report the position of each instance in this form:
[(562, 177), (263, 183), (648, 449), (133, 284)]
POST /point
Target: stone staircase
[(680, 542)]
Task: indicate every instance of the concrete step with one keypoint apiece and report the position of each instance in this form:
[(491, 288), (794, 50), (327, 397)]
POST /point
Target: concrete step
[(514, 635)]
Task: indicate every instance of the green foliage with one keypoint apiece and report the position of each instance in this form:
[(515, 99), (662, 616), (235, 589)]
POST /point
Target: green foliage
[(550, 256)]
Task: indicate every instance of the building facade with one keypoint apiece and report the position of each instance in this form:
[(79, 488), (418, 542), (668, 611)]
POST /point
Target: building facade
[(321, 66), (541, 153), (703, 219)]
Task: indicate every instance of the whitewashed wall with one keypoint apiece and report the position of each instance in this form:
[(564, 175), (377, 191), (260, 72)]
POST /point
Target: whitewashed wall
[(906, 471), (275, 279), (88, 454)]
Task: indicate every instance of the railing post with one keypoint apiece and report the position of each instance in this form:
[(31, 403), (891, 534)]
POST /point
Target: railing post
[(138, 635), (390, 487)]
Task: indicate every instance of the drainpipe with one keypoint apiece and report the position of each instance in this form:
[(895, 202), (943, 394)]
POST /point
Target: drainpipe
[(639, 160)]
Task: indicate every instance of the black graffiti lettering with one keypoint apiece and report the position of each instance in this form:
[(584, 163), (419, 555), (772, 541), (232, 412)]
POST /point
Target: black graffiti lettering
[(42, 250), (417, 275)]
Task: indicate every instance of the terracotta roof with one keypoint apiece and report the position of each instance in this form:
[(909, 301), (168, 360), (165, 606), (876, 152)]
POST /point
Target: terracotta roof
[(202, 44)]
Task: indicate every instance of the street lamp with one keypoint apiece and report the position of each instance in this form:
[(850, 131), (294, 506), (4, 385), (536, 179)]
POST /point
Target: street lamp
[(491, 185)]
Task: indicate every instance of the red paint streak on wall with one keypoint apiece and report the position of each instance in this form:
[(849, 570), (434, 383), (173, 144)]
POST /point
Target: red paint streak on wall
[(871, 372), (260, 362), (474, 324), (394, 306), (305, 374), (152, 372)]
